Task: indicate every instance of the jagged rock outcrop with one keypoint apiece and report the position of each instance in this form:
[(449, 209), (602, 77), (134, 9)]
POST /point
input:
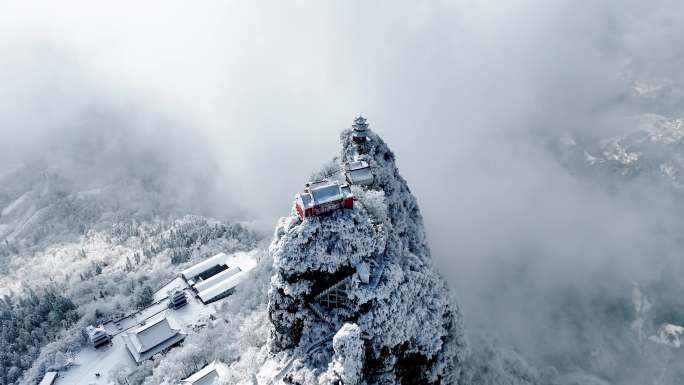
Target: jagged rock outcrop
[(347, 363), (369, 265)]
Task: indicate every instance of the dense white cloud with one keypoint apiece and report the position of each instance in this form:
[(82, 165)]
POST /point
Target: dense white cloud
[(466, 93)]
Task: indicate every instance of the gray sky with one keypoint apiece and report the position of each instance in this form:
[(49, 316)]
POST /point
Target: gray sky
[(271, 84), (465, 92)]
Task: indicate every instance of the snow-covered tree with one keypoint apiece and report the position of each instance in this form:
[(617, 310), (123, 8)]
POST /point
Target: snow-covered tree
[(347, 364)]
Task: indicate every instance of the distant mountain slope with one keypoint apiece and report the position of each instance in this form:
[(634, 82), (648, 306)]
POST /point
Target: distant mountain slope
[(88, 180), (40, 207), (652, 147)]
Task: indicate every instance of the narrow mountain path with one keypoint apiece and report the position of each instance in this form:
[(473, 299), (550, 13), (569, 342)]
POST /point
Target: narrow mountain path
[(313, 347)]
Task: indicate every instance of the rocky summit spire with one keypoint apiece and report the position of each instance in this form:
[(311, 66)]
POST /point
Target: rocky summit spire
[(356, 280)]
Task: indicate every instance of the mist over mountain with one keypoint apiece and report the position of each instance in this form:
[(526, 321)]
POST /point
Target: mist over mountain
[(541, 140), (91, 159)]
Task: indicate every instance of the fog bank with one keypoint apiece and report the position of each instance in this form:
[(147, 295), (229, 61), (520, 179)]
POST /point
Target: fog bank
[(252, 96)]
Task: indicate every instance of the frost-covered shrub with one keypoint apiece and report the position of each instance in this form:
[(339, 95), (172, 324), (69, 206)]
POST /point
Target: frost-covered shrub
[(328, 170), (373, 201), (326, 244), (143, 296)]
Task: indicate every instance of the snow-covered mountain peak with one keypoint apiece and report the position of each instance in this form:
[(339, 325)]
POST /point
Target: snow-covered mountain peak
[(365, 268)]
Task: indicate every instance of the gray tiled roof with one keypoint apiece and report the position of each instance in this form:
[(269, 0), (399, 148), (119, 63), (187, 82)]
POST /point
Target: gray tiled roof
[(152, 338)]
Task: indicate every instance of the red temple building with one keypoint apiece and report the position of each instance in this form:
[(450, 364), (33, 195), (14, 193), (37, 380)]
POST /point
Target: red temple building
[(323, 197)]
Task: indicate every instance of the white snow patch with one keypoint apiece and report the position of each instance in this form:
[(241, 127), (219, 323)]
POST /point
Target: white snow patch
[(669, 335)]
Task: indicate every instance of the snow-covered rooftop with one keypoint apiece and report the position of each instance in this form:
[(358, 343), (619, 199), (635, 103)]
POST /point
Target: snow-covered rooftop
[(153, 337), (95, 332), (359, 173), (133, 320), (49, 378), (199, 268), (207, 375), (324, 191), (239, 264), (212, 281), (360, 124)]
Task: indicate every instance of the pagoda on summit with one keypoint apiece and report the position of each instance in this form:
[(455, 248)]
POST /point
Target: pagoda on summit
[(360, 130)]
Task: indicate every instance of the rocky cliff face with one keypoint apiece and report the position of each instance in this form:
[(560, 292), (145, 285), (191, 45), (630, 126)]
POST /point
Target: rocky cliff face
[(366, 270)]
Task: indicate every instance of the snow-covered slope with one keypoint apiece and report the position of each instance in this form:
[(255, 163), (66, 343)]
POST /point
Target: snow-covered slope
[(102, 236), (652, 147), (107, 273), (41, 206), (377, 259)]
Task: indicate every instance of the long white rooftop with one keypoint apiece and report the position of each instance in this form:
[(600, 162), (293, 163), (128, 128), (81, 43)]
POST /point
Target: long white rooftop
[(49, 378), (197, 269), (207, 375), (228, 272)]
